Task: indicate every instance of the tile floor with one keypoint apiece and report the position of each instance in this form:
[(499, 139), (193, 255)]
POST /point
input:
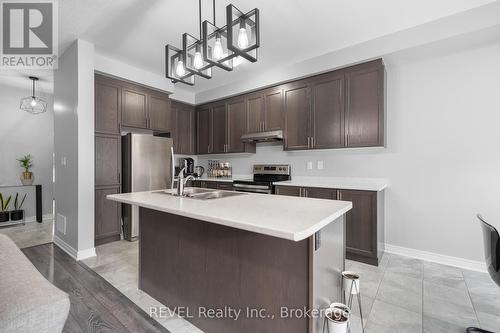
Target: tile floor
[(30, 234), (402, 295)]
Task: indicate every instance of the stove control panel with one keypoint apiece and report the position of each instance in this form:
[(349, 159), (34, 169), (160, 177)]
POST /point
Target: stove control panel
[(272, 169)]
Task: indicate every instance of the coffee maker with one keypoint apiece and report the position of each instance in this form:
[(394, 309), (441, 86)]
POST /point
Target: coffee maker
[(188, 163)]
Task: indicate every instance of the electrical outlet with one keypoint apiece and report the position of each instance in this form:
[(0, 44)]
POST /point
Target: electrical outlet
[(61, 223), (63, 160), (309, 165), (320, 165)]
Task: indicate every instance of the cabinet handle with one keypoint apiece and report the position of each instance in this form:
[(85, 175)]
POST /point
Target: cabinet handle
[(308, 142), (312, 142)]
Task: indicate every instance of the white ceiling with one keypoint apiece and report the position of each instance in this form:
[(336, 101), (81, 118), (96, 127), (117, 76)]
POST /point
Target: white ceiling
[(136, 31)]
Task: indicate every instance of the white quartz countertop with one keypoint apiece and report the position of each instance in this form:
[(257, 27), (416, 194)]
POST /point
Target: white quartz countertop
[(285, 217), (341, 183)]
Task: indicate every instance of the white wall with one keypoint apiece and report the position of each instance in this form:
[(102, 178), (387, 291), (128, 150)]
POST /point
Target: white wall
[(22, 133), (74, 143), (442, 156)]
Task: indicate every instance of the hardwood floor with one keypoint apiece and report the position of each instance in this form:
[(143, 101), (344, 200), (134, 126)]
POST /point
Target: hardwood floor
[(96, 306)]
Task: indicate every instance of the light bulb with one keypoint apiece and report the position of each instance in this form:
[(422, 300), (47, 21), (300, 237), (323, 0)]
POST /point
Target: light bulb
[(179, 70), (198, 60), (243, 38), (218, 51), (33, 102)]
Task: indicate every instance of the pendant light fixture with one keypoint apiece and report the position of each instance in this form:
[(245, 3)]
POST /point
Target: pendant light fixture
[(33, 104), (224, 47)]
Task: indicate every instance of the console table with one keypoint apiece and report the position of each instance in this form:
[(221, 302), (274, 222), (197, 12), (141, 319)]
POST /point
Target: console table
[(38, 198)]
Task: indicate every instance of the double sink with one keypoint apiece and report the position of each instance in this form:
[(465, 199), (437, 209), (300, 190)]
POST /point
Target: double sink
[(202, 193)]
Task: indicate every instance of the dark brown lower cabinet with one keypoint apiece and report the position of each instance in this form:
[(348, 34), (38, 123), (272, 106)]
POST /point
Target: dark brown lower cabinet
[(227, 186), (107, 216), (364, 223)]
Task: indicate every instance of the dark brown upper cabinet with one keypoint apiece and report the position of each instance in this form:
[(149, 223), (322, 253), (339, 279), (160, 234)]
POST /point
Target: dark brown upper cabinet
[(297, 109), (107, 105), (236, 125), (134, 108), (327, 117), (273, 111), (227, 122), (365, 106), (160, 113), (255, 112), (203, 129), (219, 128), (183, 131), (264, 110)]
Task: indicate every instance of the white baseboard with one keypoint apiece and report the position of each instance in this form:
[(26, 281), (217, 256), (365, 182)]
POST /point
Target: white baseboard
[(45, 217), (437, 258), (77, 255)]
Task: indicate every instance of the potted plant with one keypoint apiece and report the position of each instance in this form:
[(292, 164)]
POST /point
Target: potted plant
[(26, 163), (4, 205), (337, 318), (17, 214)]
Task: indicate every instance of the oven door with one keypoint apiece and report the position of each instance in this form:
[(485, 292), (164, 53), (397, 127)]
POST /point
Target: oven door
[(252, 188)]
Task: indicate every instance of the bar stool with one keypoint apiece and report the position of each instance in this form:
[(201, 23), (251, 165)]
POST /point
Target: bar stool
[(350, 284)]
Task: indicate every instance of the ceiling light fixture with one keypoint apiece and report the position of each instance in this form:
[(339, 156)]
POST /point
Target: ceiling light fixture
[(215, 46), (33, 104)]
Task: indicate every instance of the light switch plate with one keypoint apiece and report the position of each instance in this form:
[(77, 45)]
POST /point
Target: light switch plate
[(63, 160), (309, 165), (320, 165)]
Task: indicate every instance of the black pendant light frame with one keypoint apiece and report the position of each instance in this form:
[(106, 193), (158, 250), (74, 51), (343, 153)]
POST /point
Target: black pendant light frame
[(210, 32)]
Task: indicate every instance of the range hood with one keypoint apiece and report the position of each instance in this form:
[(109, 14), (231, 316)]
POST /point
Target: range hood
[(268, 136)]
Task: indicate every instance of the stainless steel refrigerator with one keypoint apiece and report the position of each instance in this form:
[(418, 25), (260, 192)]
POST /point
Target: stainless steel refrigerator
[(147, 165)]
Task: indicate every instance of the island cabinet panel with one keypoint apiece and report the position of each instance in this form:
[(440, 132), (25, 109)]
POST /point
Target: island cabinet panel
[(134, 109), (160, 113), (107, 216), (219, 129), (203, 128), (365, 105), (327, 122), (236, 125), (297, 109), (183, 132), (361, 225), (273, 101), (107, 106), (255, 112), (192, 263)]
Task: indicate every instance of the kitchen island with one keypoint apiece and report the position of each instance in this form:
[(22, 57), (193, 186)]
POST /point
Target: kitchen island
[(243, 263)]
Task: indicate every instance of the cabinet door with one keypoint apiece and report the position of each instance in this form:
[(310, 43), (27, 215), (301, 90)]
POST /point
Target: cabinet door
[(236, 125), (291, 191), (160, 113), (297, 109), (211, 184), (273, 109), (107, 160), (107, 106), (361, 223), (107, 215), (134, 108), (203, 131), (219, 128), (184, 132), (321, 193), (328, 112), (365, 107), (255, 112)]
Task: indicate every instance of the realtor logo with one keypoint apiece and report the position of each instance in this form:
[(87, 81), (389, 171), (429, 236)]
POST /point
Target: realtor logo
[(29, 34)]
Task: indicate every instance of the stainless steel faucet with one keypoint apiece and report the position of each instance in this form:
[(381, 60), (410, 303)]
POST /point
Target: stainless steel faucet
[(181, 181)]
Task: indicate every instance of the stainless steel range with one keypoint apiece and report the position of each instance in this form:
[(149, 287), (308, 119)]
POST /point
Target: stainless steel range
[(263, 177)]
